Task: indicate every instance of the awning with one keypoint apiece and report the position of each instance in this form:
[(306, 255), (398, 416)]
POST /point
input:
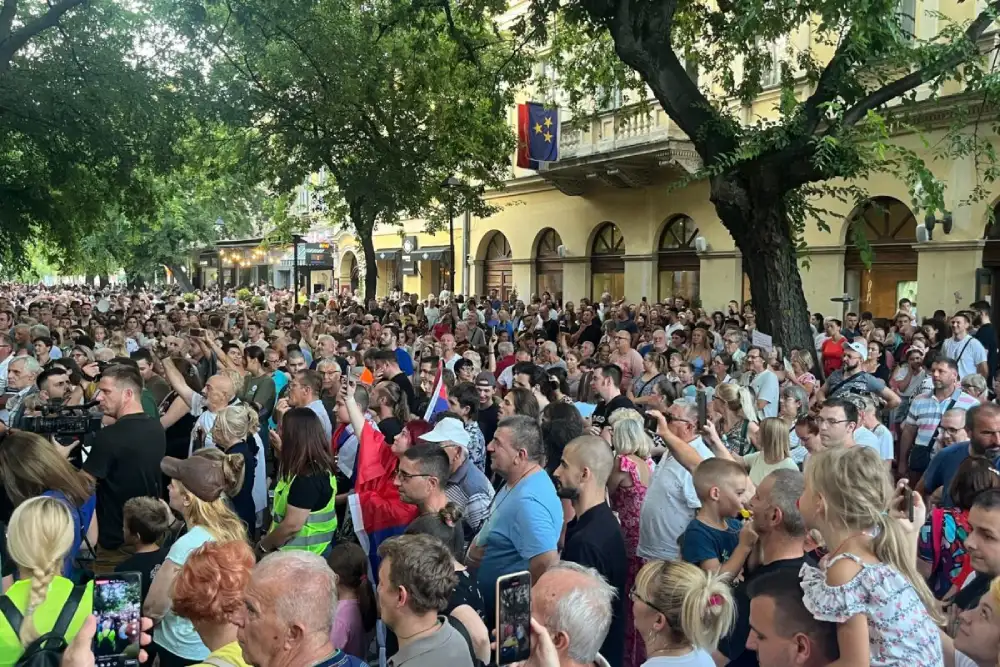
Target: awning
[(428, 254), (388, 254)]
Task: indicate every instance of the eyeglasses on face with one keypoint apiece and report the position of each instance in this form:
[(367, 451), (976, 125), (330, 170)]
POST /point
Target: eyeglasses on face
[(634, 595), (402, 475)]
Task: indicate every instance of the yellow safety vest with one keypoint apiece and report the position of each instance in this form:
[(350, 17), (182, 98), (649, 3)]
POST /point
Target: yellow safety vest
[(317, 534), (45, 614)]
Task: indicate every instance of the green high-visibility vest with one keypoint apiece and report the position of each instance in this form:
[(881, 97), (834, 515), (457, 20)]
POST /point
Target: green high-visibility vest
[(319, 529), (106, 636)]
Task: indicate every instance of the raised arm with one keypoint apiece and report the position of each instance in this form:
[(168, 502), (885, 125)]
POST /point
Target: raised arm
[(176, 380), (687, 455)]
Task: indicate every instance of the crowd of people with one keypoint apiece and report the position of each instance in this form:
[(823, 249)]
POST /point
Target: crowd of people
[(338, 481)]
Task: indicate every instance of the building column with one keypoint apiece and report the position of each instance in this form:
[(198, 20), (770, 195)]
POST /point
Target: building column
[(720, 279), (523, 274), (576, 279), (946, 274), (640, 277)]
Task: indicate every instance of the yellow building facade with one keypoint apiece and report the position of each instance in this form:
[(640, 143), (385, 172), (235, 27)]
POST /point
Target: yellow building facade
[(619, 214)]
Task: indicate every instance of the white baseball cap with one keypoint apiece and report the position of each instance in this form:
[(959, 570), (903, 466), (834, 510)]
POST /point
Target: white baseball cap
[(861, 349), (448, 429)]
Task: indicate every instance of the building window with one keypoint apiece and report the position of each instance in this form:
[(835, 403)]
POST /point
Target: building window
[(607, 262), (678, 263)]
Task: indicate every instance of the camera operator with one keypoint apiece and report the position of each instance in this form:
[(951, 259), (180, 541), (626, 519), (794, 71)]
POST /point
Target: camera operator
[(21, 375), (124, 460)]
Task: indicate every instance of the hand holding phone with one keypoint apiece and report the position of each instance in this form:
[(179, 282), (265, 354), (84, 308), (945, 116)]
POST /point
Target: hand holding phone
[(513, 618), (118, 608)]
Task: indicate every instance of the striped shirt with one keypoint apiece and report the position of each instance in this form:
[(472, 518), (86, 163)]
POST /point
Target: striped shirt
[(925, 413), (469, 489)]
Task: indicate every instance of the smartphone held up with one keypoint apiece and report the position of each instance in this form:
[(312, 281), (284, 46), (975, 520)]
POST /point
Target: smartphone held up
[(118, 608), (513, 618)]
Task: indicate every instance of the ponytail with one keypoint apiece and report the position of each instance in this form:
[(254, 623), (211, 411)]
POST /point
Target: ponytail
[(40, 536), (747, 404), (708, 611)]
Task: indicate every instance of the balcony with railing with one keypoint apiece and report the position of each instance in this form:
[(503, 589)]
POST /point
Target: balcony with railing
[(624, 147)]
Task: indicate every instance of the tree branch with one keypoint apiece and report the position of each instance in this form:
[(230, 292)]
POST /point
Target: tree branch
[(907, 83), (652, 55), (7, 13), (20, 37), (828, 85)]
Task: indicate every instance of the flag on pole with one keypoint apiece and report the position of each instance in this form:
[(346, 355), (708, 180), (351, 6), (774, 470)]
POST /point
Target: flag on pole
[(543, 132), (377, 511), (524, 139), (439, 397)]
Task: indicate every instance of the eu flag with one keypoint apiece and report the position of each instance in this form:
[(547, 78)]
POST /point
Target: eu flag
[(543, 132)]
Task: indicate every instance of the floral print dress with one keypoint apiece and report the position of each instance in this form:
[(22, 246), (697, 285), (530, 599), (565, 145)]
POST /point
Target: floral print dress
[(900, 630), (626, 501)]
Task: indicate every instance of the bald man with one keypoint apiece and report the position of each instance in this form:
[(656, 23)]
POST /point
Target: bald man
[(594, 538), (219, 392), (556, 599)]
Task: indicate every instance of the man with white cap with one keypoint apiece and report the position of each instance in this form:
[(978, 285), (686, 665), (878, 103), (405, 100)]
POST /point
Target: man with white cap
[(851, 379), (467, 487)]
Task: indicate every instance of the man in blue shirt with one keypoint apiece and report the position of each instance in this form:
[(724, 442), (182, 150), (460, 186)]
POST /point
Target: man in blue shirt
[(523, 530), (982, 422)]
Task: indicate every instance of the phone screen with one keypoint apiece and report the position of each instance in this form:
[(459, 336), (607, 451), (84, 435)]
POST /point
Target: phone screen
[(513, 618), (702, 400), (118, 608), (650, 423)]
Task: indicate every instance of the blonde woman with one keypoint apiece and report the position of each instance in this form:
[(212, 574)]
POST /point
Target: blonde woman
[(699, 352), (627, 486), (802, 375), (39, 537), (642, 391), (196, 490), (681, 611), (774, 451), (234, 432), (737, 424)]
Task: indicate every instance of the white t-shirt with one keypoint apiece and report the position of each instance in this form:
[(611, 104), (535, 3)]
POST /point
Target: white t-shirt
[(696, 658), (206, 420), (669, 507), (971, 356)]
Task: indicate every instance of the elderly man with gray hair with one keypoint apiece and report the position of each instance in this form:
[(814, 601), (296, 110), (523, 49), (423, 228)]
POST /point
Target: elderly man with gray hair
[(574, 604), (21, 375), (288, 612)]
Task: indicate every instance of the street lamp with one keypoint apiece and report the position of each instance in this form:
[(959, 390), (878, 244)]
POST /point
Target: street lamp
[(451, 183), (219, 226)]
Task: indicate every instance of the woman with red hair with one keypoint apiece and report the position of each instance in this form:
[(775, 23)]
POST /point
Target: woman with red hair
[(208, 591)]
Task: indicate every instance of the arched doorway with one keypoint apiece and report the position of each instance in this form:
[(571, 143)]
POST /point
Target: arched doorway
[(891, 230), (498, 275), (988, 276), (548, 265), (607, 262), (677, 261), (349, 273)]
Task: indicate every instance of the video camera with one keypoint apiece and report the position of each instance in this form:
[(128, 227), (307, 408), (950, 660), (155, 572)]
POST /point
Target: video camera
[(64, 420)]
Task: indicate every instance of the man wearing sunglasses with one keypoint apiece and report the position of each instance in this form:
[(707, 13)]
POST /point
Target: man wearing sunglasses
[(671, 499)]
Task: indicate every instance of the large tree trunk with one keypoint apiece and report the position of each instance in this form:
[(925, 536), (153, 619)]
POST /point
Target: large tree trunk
[(181, 277), (364, 226), (754, 212)]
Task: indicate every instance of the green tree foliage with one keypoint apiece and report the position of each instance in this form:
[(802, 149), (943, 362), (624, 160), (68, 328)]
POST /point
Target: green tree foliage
[(391, 97), (838, 100), (215, 182), (92, 96)]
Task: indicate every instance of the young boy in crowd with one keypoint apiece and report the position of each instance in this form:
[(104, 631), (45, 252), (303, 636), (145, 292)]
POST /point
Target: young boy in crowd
[(685, 375), (715, 540)]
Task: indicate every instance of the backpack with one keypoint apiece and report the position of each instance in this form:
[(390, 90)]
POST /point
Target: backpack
[(47, 650), (937, 537), (462, 630)]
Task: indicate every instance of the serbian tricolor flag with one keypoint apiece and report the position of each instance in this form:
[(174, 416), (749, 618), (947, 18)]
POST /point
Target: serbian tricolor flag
[(439, 399), (377, 511), (524, 138)]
